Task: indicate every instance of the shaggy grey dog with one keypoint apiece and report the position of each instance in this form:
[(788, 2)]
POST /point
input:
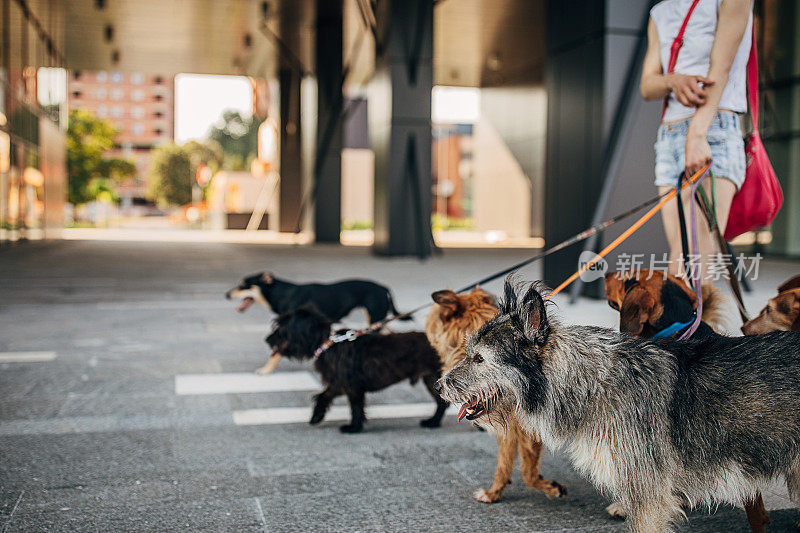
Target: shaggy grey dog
[(653, 422)]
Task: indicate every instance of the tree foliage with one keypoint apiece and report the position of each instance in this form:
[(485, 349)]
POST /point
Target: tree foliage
[(238, 138), (170, 179), (89, 171), (209, 153)]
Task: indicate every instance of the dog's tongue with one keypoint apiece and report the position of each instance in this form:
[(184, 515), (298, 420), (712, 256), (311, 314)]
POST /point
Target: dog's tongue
[(244, 305), (466, 405)]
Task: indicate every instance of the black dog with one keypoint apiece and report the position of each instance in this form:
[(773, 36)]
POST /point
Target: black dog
[(334, 300), (369, 363)]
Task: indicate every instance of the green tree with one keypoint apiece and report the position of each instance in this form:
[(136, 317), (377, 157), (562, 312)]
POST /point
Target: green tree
[(170, 180), (209, 153), (88, 170), (238, 138)]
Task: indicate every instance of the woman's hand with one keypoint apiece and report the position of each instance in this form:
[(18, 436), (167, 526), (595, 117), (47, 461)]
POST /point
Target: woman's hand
[(698, 153), (688, 89)]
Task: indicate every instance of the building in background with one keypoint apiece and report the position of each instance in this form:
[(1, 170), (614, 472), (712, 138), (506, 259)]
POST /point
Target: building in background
[(142, 109), (32, 122)]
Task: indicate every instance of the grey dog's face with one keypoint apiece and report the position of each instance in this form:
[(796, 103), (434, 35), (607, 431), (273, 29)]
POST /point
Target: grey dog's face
[(502, 367)]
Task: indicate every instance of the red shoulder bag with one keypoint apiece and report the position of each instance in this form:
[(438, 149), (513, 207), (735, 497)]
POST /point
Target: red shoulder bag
[(760, 197)]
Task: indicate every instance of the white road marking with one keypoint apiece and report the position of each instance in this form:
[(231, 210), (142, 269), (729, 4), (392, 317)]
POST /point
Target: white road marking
[(337, 413), (27, 357), (146, 305), (240, 382)]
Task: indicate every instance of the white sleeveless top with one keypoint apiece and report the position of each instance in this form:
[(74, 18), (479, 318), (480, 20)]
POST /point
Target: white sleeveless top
[(693, 58)]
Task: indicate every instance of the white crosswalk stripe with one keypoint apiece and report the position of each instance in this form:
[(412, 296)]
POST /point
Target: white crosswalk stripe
[(27, 357), (242, 382), (293, 415)]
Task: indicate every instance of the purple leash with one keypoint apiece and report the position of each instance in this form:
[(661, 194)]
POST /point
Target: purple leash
[(696, 276)]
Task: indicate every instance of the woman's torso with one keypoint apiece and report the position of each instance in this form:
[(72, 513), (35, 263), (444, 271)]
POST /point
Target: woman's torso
[(694, 55)]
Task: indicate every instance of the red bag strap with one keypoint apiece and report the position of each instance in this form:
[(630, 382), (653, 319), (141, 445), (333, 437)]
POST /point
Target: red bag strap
[(677, 43), (752, 81)]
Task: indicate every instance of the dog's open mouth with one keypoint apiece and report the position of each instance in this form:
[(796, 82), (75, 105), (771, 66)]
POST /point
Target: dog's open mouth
[(472, 409), (247, 302)]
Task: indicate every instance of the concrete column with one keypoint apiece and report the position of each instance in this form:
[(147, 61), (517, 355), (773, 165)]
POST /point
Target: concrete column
[(591, 44), (330, 137), (400, 127)]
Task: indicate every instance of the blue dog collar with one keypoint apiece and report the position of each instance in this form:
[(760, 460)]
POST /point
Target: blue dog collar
[(673, 329)]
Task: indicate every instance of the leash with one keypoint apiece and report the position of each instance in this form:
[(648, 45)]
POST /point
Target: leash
[(660, 200), (706, 208), (696, 274), (666, 197), (675, 327)]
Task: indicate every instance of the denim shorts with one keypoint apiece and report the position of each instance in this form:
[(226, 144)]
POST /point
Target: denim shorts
[(727, 149)]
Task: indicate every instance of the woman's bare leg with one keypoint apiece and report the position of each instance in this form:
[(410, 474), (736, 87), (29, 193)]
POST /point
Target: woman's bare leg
[(669, 214)]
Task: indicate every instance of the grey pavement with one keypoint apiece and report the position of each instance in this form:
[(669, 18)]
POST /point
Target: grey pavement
[(99, 439)]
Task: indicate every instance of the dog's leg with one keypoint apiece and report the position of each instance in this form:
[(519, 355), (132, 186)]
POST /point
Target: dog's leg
[(757, 514), (441, 406), (655, 514), (530, 452), (356, 399), (322, 402), (793, 483), (272, 364), (506, 457)]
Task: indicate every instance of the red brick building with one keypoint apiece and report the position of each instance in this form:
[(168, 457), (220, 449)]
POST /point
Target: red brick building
[(142, 108)]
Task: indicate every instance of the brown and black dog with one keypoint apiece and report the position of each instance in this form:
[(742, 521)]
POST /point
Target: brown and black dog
[(649, 301), (453, 317), (782, 313)]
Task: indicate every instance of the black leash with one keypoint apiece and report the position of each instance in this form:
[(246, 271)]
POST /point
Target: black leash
[(585, 234)]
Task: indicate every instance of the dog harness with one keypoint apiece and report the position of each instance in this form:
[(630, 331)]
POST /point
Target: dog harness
[(674, 328)]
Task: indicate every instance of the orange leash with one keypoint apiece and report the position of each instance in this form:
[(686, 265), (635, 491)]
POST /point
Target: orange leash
[(627, 233)]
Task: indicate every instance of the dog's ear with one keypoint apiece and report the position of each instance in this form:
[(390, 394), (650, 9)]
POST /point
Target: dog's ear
[(637, 310), (788, 302), (447, 298), (533, 315), (789, 284), (266, 277), (509, 302), (615, 290)]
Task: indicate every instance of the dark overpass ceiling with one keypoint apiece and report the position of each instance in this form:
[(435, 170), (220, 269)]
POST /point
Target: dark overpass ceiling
[(476, 42), (488, 43)]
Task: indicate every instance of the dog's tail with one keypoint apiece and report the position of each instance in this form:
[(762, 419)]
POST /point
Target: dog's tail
[(394, 310), (714, 308)]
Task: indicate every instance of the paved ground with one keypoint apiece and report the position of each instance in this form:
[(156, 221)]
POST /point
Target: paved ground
[(129, 414)]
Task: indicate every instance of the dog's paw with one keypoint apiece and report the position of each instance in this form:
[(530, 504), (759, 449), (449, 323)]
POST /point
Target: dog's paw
[(486, 496), (316, 418), (553, 489), (263, 370), (351, 428), (430, 422), (616, 511)]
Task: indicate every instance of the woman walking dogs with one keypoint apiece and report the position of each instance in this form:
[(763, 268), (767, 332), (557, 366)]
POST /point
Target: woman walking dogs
[(705, 91)]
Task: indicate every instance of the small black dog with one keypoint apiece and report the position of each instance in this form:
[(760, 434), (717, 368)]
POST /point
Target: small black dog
[(369, 363), (334, 300)]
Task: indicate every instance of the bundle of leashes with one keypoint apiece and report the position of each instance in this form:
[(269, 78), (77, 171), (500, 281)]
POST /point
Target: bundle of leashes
[(709, 209), (657, 202)]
